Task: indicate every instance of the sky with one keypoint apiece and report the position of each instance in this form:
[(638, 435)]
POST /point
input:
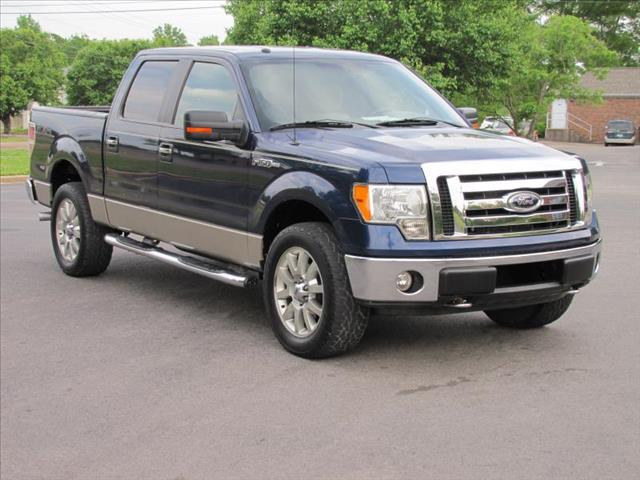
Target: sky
[(196, 18)]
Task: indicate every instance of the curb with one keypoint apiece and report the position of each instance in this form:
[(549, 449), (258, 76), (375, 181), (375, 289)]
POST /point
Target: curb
[(12, 179)]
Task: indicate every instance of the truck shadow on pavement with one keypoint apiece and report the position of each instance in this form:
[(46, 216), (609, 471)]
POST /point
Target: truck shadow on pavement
[(209, 305)]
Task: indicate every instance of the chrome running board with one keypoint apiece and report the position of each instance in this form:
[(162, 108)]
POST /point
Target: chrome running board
[(206, 268)]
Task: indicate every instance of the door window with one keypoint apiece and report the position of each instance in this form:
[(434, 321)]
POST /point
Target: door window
[(146, 94), (210, 87)]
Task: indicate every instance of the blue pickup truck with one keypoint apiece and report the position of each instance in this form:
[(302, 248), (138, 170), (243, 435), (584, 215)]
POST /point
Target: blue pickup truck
[(340, 181)]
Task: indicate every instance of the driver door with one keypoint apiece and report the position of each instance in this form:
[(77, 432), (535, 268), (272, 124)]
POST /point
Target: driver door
[(203, 181)]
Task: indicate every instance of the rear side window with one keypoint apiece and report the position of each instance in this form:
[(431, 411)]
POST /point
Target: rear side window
[(209, 87), (144, 101)]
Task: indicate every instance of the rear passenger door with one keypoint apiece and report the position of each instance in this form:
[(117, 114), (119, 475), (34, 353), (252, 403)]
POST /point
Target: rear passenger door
[(132, 137)]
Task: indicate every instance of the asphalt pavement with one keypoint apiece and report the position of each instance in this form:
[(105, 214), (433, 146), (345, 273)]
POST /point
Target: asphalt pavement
[(148, 372)]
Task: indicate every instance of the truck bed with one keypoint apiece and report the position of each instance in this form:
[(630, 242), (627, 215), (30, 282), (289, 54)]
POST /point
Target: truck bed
[(70, 129)]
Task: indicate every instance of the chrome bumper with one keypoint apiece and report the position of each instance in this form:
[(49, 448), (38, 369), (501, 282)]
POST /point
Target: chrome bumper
[(374, 279)]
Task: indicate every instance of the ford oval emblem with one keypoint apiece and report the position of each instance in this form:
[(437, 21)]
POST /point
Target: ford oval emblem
[(522, 202)]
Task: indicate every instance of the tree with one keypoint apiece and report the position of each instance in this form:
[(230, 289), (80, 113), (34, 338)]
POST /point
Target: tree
[(209, 40), (169, 36), (550, 60), (452, 44), (616, 23), (72, 45), (98, 68), (31, 68)]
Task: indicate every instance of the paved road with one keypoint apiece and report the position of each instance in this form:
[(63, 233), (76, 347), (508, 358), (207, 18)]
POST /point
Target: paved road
[(152, 373)]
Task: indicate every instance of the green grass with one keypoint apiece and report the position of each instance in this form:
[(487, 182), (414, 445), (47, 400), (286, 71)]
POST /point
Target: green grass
[(17, 131), (14, 161), (12, 139)]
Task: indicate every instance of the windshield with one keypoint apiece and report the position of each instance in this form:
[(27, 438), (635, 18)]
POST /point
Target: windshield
[(358, 91), (620, 125)]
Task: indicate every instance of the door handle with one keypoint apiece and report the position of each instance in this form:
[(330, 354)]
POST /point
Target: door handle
[(166, 152), (112, 143)]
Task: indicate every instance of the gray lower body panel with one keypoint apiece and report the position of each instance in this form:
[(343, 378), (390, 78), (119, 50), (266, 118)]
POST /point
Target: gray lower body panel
[(220, 242)]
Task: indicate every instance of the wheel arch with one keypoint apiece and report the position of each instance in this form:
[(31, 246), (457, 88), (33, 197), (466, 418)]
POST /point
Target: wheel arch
[(300, 197), (66, 163)]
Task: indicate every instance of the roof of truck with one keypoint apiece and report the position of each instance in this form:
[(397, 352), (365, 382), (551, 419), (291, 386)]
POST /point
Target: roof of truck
[(253, 51)]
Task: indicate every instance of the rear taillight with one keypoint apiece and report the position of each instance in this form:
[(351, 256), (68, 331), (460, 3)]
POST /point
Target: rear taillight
[(31, 136)]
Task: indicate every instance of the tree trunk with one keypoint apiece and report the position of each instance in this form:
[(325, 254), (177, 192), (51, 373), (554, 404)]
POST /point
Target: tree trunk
[(6, 122), (532, 126)]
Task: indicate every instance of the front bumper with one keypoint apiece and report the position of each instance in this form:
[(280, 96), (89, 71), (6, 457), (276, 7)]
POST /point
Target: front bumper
[(447, 281)]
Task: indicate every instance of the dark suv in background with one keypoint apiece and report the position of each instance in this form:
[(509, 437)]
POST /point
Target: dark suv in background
[(621, 132)]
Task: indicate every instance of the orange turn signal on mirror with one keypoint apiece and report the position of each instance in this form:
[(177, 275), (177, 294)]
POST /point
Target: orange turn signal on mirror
[(199, 130), (361, 197)]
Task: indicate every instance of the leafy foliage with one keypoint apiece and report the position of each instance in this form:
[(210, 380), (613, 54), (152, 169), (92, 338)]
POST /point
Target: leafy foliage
[(169, 36), (548, 64), (453, 44), (616, 23), (494, 54), (209, 40), (31, 68), (97, 70), (72, 45)]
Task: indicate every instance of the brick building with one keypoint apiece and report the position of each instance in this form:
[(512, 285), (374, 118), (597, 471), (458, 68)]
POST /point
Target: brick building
[(568, 120)]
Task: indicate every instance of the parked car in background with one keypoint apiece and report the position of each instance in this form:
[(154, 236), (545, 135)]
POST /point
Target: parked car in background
[(620, 131), (498, 125), (471, 114)]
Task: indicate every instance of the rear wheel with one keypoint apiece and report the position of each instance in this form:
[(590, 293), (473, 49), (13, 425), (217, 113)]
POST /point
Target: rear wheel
[(307, 293), (78, 242), (532, 316)]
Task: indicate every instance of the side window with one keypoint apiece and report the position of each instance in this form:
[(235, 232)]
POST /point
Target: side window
[(144, 100), (209, 87)]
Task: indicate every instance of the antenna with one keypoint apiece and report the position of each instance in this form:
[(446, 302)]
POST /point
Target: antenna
[(295, 142)]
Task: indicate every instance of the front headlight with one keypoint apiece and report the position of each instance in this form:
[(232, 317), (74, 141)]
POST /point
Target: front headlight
[(587, 191), (402, 205)]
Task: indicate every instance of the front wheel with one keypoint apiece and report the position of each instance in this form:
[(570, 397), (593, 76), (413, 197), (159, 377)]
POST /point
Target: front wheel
[(532, 316), (78, 242), (307, 293)]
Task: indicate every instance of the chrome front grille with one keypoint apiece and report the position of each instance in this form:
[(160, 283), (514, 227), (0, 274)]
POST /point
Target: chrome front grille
[(472, 201)]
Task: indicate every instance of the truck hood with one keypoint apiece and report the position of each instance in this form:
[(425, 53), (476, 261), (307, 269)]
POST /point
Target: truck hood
[(401, 151)]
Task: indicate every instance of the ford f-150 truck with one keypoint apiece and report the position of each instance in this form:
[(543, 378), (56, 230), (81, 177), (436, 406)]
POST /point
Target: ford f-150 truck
[(340, 180)]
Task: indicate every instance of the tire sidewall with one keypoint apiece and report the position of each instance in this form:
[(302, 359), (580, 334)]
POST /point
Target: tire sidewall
[(284, 241), (70, 192)]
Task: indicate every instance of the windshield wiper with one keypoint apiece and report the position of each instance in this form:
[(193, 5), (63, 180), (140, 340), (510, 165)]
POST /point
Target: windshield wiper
[(314, 124), (415, 121)]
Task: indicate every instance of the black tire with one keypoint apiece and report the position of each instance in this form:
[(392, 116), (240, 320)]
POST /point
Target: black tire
[(94, 254), (606, 144), (343, 321), (532, 316)]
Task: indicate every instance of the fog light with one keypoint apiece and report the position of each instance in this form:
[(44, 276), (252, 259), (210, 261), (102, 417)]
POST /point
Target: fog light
[(404, 280)]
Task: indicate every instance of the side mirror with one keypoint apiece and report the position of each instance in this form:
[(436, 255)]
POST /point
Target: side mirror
[(214, 126), (471, 114)]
